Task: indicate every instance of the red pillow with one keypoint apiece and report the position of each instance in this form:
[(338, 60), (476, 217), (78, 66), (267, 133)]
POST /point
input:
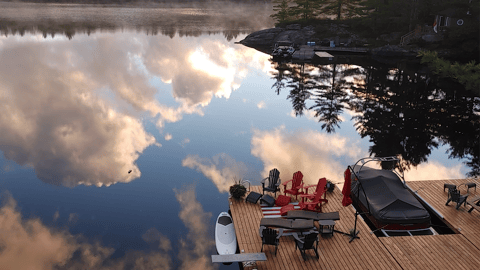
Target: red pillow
[(282, 200)]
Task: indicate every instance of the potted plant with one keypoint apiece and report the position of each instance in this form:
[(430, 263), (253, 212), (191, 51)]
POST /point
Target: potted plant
[(330, 186), (237, 190)]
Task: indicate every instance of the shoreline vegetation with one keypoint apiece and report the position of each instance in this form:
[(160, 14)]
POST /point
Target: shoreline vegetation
[(393, 28)]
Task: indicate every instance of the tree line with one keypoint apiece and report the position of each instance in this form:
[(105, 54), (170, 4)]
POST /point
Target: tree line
[(376, 15)]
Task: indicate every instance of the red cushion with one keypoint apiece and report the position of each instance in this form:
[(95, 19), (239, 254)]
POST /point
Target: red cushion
[(286, 208), (282, 200)]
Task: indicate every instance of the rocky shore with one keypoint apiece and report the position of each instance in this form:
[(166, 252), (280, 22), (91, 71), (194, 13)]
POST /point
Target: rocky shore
[(264, 40)]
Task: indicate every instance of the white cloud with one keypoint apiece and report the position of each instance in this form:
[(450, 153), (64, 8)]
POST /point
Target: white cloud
[(168, 137), (433, 171), (196, 248), (261, 105), (316, 154), (221, 169), (55, 124)]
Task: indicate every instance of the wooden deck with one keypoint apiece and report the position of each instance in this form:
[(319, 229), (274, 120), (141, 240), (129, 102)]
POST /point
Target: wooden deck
[(370, 252)]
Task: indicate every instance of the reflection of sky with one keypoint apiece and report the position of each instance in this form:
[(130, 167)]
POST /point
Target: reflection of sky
[(186, 115)]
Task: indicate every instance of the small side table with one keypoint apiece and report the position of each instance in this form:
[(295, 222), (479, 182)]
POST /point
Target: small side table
[(326, 226)]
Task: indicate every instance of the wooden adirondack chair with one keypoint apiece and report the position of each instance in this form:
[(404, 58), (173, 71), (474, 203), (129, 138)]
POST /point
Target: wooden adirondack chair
[(306, 242), (273, 182), (297, 185), (316, 198)]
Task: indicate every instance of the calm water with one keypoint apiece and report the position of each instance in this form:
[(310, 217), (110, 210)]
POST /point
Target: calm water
[(121, 129)]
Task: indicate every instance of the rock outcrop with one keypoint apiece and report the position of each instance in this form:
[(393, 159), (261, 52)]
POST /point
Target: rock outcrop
[(268, 37)]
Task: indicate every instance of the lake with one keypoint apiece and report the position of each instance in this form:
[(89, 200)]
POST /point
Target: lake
[(122, 128)]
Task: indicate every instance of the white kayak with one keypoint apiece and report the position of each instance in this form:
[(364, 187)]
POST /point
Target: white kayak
[(225, 238)]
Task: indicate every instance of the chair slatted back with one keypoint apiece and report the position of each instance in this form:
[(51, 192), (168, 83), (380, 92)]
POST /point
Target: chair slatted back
[(320, 189), (455, 195), (309, 240), (269, 236), (297, 180), (273, 178)]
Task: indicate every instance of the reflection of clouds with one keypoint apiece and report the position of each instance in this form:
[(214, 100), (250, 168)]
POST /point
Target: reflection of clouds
[(261, 105), (185, 142), (69, 108), (51, 121), (29, 244), (152, 235), (433, 171), (73, 218), (195, 249), (315, 154), (221, 169)]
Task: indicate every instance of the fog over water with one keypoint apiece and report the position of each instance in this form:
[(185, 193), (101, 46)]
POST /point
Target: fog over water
[(118, 147)]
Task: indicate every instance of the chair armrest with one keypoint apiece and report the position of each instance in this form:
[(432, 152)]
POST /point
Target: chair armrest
[(263, 180), (295, 235), (307, 187), (280, 233), (261, 230), (279, 181), (285, 184)]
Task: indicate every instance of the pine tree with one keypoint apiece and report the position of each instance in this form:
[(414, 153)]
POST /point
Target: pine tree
[(306, 9), (342, 8), (282, 13)]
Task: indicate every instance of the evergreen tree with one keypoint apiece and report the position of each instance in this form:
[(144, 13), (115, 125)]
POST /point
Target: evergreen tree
[(282, 12), (306, 9), (342, 8)]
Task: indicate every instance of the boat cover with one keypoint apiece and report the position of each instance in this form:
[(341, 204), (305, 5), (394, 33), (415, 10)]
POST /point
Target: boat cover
[(389, 200)]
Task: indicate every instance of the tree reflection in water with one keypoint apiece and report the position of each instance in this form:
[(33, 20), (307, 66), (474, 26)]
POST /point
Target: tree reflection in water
[(403, 110)]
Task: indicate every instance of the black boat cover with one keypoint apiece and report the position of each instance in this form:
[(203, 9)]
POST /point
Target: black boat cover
[(389, 200)]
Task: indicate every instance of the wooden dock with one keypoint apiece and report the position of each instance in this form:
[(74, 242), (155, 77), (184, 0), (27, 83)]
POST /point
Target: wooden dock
[(461, 250)]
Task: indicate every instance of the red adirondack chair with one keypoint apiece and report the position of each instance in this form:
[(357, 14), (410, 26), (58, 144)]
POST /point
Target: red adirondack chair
[(316, 198), (297, 185)]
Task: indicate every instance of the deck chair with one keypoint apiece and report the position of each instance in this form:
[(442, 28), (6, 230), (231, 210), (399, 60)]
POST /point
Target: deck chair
[(315, 203), (272, 182), (297, 185), (270, 237), (306, 242), (454, 196)]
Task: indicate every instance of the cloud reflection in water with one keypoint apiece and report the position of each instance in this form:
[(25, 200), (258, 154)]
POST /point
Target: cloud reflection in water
[(30, 244), (72, 109)]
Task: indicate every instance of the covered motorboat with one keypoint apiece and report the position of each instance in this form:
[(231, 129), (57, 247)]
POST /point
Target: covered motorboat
[(382, 195), (283, 50)]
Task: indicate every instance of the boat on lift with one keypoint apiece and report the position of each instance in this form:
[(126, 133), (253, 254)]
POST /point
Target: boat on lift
[(384, 198)]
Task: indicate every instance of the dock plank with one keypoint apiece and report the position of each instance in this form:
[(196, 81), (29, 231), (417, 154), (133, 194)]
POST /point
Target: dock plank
[(370, 251)]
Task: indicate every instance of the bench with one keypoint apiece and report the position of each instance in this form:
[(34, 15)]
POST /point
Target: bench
[(243, 257), (474, 203), (474, 206), (302, 214), (287, 223)]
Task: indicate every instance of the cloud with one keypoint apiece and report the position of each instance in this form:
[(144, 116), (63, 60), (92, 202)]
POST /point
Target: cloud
[(30, 244), (168, 137), (261, 105), (55, 122), (221, 169), (185, 142), (433, 171), (315, 154), (76, 119), (56, 215), (196, 248), (152, 235)]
